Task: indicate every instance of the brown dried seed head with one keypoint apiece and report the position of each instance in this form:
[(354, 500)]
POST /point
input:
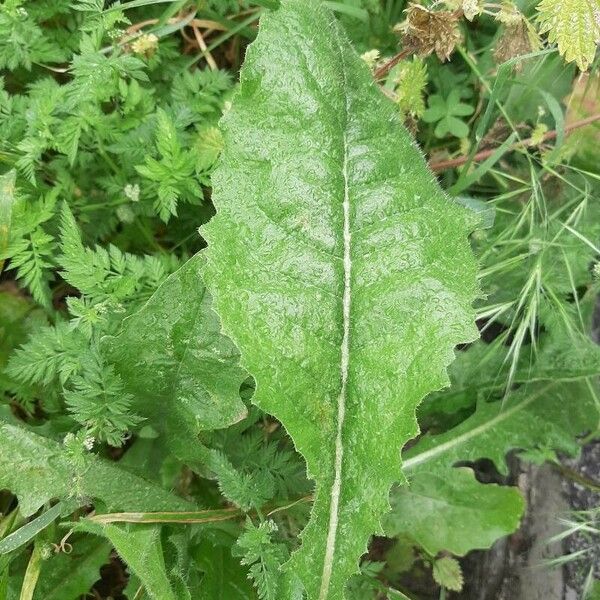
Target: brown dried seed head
[(427, 31)]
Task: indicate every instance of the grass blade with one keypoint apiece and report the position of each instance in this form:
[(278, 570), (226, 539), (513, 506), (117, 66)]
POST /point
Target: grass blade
[(26, 533)]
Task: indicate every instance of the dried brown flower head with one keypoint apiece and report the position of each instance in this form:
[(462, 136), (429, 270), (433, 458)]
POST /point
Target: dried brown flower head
[(428, 31)]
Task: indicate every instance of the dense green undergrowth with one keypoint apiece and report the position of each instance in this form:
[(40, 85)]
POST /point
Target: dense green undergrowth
[(201, 405)]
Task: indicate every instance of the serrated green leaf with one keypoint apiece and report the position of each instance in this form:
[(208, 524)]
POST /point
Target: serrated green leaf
[(574, 26), (543, 415), (548, 415), (447, 572), (183, 373), (339, 269)]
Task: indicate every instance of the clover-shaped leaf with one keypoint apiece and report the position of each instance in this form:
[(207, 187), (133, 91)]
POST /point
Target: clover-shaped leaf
[(445, 112)]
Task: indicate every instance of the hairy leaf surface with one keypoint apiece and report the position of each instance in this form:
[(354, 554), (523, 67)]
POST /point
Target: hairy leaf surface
[(339, 269), (573, 25), (142, 549)]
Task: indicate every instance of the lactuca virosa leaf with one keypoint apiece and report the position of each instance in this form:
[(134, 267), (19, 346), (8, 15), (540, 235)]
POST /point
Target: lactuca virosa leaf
[(456, 512), (452, 511), (183, 373), (339, 269), (545, 416)]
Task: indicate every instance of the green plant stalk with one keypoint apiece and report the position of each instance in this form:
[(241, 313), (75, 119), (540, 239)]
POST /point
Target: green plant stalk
[(32, 573), (189, 517)]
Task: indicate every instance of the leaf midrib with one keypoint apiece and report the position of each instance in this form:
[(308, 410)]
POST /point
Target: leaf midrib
[(436, 451), (345, 346)]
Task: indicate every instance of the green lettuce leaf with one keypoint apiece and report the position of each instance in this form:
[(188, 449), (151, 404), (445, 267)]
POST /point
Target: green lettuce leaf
[(452, 511), (339, 269), (456, 512)]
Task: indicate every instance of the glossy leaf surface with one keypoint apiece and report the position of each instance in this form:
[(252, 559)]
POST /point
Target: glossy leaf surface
[(338, 268)]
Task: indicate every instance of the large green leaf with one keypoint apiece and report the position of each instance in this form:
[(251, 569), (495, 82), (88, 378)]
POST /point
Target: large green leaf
[(543, 415), (183, 373), (339, 269), (452, 511)]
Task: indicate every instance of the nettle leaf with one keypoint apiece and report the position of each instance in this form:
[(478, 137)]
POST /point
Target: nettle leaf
[(183, 373), (339, 269), (574, 26)]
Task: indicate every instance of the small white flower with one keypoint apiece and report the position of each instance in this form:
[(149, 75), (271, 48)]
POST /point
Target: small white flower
[(371, 57), (471, 9), (132, 192)]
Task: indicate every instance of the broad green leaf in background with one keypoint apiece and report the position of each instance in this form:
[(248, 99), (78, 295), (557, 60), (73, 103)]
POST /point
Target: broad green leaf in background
[(69, 576), (7, 196), (38, 469), (183, 372), (542, 416), (339, 269), (452, 511)]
